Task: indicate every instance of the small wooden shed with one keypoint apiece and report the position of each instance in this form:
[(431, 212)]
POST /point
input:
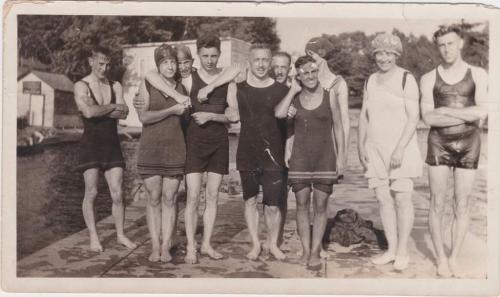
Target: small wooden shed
[(46, 99)]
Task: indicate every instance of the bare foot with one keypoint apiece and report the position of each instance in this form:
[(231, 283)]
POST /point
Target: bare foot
[(165, 255), (126, 242), (454, 267), (155, 255), (254, 253), (323, 254), (208, 250), (383, 259), (277, 253), (304, 259), (265, 246), (95, 245), (191, 257), (401, 262), (443, 269), (314, 262)]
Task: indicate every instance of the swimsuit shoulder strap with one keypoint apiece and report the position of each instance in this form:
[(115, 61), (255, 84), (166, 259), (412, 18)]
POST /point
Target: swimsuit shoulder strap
[(405, 76), (90, 90), (113, 95), (326, 99)]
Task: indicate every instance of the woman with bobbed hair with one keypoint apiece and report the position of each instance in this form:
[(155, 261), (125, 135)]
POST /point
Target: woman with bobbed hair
[(388, 147)]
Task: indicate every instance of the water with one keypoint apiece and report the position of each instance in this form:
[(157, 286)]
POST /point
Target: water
[(50, 193)]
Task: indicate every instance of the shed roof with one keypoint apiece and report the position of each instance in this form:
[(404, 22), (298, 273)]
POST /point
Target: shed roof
[(57, 81)]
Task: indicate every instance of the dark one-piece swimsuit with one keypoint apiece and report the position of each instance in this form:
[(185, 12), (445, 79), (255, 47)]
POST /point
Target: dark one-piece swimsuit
[(100, 146)]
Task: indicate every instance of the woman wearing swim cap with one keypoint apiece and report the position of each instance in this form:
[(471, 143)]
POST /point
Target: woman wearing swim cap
[(387, 145), (162, 152)]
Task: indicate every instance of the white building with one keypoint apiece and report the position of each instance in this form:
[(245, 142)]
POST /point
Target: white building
[(139, 59), (46, 100)]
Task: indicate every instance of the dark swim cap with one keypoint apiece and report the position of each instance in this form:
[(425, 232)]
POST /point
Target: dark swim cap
[(164, 52), (319, 45)]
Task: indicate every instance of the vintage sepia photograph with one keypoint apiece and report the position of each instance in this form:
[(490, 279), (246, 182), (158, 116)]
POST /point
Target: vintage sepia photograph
[(156, 143)]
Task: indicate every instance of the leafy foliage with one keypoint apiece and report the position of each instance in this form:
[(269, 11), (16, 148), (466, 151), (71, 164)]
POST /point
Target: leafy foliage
[(351, 56), (63, 42)]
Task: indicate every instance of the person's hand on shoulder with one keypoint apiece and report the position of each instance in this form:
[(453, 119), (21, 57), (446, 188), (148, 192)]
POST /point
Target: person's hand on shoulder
[(204, 92)]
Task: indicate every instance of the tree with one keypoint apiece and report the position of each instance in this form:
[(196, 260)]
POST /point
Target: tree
[(63, 42), (351, 55)]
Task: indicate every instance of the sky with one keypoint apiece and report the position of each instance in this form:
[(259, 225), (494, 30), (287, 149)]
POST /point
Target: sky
[(295, 32)]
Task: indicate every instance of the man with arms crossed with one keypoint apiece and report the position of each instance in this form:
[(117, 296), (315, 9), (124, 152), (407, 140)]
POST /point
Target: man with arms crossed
[(101, 103), (453, 97)]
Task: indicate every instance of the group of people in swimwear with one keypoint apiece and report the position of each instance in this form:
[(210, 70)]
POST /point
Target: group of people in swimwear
[(294, 133)]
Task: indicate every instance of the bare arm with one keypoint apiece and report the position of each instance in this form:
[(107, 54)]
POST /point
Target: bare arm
[(362, 131), (121, 110), (288, 149), (202, 117), (227, 75), (338, 130), (229, 114), (232, 113), (87, 106), (154, 78), (430, 115), (480, 110), (412, 113), (281, 110), (343, 94), (147, 116)]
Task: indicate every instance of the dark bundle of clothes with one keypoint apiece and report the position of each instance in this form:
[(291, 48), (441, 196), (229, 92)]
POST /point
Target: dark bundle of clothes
[(347, 227)]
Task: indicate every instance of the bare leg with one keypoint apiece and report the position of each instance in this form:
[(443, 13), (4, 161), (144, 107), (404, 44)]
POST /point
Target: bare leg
[(114, 177), (438, 182), (464, 181), (303, 225), (214, 181), (193, 181), (168, 215), (405, 216), (388, 216), (252, 218), (283, 211), (153, 187), (90, 177), (272, 217), (319, 225)]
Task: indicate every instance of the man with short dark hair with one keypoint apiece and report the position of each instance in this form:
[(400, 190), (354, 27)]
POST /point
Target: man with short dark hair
[(260, 154), (453, 97), (206, 136), (281, 67), (101, 103)]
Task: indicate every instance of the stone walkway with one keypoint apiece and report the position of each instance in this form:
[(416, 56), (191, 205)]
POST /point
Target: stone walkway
[(70, 257)]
